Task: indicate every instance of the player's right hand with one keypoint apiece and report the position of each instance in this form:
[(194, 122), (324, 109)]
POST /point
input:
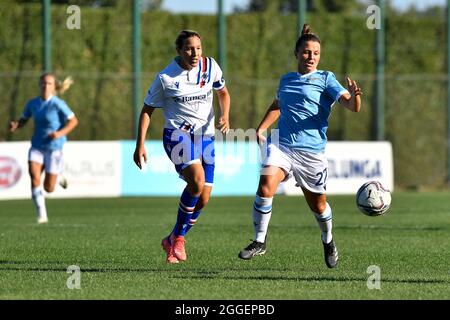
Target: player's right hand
[(260, 138), (140, 157), (13, 125)]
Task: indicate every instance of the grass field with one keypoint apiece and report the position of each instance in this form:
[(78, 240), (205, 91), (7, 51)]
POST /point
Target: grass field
[(116, 244)]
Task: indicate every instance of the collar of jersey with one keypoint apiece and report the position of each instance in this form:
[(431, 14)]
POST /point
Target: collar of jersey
[(49, 98), (185, 70), (306, 74)]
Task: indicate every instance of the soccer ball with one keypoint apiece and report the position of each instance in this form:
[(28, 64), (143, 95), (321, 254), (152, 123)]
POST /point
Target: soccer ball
[(373, 199)]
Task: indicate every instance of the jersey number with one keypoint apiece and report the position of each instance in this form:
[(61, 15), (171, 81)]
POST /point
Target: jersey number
[(322, 177)]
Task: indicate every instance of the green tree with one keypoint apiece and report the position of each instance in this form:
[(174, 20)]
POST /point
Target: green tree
[(146, 4), (288, 6)]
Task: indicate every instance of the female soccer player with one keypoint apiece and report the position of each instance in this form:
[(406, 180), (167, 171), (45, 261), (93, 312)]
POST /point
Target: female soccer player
[(302, 107), (184, 91), (53, 120)]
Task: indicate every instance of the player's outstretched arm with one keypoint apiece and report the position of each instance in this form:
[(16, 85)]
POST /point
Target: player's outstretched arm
[(224, 103), (351, 100), (140, 154), (272, 115), (14, 125)]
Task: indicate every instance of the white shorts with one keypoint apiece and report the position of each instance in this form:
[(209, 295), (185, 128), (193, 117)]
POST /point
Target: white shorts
[(309, 169), (52, 160)]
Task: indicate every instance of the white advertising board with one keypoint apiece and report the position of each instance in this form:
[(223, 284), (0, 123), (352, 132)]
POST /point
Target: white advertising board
[(350, 164), (14, 178), (92, 168)]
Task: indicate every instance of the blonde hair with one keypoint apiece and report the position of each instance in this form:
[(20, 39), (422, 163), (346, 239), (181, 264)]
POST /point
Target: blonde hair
[(60, 86)]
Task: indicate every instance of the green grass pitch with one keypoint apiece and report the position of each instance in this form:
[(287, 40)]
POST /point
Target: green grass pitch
[(116, 244)]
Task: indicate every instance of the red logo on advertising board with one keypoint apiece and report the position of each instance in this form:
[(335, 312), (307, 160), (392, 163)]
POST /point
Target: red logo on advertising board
[(10, 172)]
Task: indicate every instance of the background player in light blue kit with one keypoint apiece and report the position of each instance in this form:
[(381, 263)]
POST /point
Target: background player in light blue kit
[(184, 90), (302, 107), (53, 120)]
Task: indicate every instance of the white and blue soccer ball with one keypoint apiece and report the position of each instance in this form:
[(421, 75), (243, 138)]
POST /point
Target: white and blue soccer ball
[(373, 199)]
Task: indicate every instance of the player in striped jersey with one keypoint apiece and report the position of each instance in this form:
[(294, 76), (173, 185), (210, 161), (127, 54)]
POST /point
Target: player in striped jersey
[(184, 91)]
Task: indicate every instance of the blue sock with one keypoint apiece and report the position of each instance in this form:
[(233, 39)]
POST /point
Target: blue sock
[(192, 220), (185, 211)]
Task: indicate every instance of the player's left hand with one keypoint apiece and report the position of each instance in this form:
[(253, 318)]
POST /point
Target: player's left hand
[(353, 88), (224, 125)]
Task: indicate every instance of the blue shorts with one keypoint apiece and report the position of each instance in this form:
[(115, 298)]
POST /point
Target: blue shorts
[(184, 148)]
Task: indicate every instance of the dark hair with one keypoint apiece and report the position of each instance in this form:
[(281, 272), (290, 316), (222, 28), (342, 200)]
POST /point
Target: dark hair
[(306, 35), (183, 35)]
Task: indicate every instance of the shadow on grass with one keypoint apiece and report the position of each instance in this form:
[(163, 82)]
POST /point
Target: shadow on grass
[(217, 274), (313, 278), (364, 227)]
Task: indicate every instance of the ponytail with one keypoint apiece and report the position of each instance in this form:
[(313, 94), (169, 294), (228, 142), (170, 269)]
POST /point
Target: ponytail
[(306, 29), (60, 86), (306, 35)]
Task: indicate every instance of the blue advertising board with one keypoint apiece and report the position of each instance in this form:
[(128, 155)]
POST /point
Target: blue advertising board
[(236, 173)]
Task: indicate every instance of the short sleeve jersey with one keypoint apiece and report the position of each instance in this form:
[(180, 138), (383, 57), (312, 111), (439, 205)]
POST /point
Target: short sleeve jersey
[(305, 105), (186, 96), (49, 115)]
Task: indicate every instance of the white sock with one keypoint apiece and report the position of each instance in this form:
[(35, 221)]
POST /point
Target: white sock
[(262, 211), (325, 223), (39, 201)]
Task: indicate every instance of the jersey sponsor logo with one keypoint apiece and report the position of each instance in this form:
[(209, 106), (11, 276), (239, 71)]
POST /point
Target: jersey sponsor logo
[(189, 99), (192, 98), (10, 172)]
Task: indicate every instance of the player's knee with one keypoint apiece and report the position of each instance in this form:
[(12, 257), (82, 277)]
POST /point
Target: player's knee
[(265, 191), (35, 182), (203, 201), (49, 188), (319, 207), (196, 186)]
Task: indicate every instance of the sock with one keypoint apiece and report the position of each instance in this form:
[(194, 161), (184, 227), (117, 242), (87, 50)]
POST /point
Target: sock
[(39, 202), (185, 211), (262, 211), (192, 220), (325, 223)]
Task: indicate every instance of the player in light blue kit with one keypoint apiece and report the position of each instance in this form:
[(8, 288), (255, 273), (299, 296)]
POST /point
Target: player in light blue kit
[(184, 91), (302, 107), (53, 120)]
